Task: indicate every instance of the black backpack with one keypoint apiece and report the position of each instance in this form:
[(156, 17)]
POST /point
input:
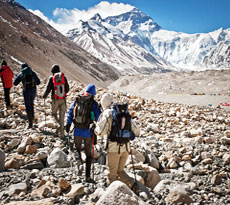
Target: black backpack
[(83, 111), (28, 78), (121, 124)]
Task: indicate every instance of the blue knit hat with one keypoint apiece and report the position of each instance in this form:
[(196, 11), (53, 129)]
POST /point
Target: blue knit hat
[(91, 89)]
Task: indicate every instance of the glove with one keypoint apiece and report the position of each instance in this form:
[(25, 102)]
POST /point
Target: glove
[(67, 128), (92, 127)]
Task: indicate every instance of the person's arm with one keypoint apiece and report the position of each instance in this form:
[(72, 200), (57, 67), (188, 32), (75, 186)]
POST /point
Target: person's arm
[(48, 88), (17, 80), (104, 123), (1, 71), (66, 85), (36, 78), (96, 110), (70, 114)]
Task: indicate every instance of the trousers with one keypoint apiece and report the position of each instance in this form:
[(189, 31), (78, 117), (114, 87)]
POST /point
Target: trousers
[(116, 165), (58, 112)]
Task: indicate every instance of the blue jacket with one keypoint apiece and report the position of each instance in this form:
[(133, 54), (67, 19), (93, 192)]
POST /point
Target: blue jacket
[(84, 132)]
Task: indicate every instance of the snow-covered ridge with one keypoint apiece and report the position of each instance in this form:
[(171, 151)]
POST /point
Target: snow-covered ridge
[(134, 42)]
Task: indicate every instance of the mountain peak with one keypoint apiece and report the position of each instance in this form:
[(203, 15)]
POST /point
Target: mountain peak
[(97, 17)]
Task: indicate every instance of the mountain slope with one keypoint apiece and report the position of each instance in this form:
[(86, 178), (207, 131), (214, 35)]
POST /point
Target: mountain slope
[(189, 50), (107, 40), (134, 42), (24, 37)]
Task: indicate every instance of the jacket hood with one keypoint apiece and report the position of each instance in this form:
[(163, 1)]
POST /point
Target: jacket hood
[(91, 89), (55, 69), (4, 63), (106, 100), (24, 65)]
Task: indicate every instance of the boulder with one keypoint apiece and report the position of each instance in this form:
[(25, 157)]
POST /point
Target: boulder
[(119, 193), (13, 143), (176, 197), (22, 147), (152, 160), (41, 192), (48, 123), (76, 189), (14, 163), (38, 202), (58, 159), (17, 188), (63, 184), (30, 149)]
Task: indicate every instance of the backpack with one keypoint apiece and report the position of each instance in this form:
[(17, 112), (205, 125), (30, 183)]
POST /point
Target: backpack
[(59, 86), (121, 124), (83, 111), (28, 78)]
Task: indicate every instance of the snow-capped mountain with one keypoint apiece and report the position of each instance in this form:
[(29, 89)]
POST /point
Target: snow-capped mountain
[(107, 40), (219, 56), (189, 50), (133, 42)]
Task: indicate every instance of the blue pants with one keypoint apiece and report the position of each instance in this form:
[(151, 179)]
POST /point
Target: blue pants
[(29, 95)]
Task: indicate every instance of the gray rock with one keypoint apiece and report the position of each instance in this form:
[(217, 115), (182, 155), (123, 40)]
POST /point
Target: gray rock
[(17, 188), (58, 159), (33, 165), (119, 193)]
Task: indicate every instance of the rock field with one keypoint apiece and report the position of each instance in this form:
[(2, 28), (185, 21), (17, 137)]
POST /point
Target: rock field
[(182, 156)]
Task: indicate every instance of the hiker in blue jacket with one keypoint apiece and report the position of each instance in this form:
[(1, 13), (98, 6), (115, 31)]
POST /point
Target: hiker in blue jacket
[(84, 135), (29, 80)]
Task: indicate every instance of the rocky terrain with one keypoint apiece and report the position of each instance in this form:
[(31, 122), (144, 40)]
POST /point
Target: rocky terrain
[(182, 156), (210, 87)]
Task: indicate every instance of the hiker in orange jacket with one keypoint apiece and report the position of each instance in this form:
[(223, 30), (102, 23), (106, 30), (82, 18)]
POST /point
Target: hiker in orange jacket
[(7, 76)]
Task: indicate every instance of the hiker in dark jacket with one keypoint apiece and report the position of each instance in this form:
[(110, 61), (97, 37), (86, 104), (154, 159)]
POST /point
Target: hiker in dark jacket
[(6, 76), (58, 102), (84, 135), (30, 81)]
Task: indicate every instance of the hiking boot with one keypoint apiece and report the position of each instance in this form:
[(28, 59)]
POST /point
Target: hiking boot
[(90, 180)]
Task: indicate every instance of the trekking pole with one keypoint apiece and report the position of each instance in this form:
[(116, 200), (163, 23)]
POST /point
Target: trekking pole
[(45, 111), (135, 177), (93, 153)]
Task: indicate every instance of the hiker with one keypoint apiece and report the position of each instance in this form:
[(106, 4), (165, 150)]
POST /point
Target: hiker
[(84, 103), (7, 76), (117, 148), (29, 81), (59, 87)]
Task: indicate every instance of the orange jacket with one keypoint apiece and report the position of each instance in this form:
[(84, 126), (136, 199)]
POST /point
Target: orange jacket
[(6, 75)]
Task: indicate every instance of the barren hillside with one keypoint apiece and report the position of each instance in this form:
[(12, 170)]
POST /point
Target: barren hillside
[(24, 37)]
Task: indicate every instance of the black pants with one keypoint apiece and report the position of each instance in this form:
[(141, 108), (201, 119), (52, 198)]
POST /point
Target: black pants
[(7, 96)]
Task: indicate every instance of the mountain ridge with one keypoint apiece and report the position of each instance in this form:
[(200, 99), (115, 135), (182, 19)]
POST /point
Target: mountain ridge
[(25, 37), (175, 50)]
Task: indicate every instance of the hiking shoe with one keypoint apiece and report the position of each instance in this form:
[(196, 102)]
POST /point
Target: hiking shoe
[(89, 180)]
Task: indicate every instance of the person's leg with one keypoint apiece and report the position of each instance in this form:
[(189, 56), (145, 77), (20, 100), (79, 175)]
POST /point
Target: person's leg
[(7, 96), (113, 160), (27, 101), (78, 142), (122, 175), (62, 111), (88, 152), (55, 109)]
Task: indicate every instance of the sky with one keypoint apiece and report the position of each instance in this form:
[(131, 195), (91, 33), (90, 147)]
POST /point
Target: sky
[(188, 16)]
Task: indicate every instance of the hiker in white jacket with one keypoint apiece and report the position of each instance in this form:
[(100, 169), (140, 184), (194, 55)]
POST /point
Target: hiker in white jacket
[(117, 154)]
